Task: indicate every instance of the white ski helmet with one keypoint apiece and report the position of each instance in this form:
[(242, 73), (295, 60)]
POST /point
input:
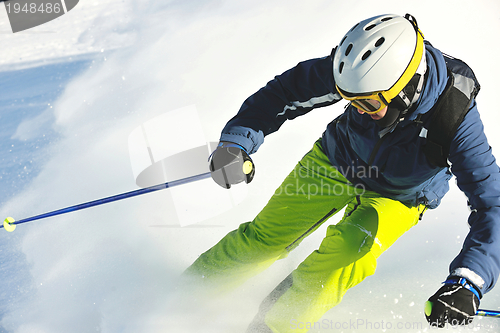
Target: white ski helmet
[(378, 57)]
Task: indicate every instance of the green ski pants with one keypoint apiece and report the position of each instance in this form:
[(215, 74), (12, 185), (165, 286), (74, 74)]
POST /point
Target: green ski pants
[(313, 192)]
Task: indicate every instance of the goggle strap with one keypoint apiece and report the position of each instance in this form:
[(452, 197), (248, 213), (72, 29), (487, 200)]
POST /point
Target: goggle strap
[(405, 98), (418, 89), (383, 99), (413, 22)]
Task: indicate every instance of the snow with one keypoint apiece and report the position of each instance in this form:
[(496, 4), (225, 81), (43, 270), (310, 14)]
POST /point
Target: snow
[(75, 88)]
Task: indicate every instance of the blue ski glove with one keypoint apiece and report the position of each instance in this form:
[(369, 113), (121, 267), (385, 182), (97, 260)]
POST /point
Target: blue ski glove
[(230, 164), (455, 303)]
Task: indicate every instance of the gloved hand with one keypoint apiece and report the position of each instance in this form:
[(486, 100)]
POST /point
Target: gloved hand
[(230, 164), (455, 303)]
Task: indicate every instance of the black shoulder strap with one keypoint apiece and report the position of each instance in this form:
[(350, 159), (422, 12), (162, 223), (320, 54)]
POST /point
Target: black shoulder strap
[(450, 110)]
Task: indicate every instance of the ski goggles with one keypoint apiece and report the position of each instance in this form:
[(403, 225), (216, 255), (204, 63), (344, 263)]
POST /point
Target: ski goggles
[(369, 104), (374, 102)]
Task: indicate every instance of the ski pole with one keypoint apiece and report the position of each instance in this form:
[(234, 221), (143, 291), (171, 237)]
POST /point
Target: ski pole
[(480, 312), (488, 313), (9, 223)]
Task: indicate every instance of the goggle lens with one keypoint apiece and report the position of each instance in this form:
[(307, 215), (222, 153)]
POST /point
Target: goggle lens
[(368, 105)]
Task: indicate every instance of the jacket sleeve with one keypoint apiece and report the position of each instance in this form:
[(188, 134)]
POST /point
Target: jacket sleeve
[(478, 176), (295, 92)]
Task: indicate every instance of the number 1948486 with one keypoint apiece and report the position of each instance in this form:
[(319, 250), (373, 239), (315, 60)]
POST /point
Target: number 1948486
[(34, 8)]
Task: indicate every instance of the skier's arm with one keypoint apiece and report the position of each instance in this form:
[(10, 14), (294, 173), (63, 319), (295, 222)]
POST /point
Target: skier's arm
[(295, 92), (478, 176)]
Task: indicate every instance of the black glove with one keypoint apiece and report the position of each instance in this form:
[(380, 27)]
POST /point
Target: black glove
[(230, 164), (455, 303)]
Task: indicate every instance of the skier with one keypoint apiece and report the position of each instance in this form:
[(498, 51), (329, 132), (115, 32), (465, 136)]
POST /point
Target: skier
[(372, 160)]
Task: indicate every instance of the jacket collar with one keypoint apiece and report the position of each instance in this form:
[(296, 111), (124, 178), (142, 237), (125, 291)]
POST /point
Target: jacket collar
[(435, 83)]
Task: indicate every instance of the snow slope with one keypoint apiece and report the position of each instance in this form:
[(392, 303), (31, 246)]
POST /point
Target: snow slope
[(74, 89)]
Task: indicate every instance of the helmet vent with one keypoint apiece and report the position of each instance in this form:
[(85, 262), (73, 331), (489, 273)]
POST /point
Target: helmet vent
[(370, 27), (341, 67), (348, 50), (353, 27), (380, 42), (343, 40), (386, 19), (366, 55)]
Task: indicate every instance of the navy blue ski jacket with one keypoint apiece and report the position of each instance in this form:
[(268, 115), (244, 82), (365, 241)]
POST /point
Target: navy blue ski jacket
[(399, 169)]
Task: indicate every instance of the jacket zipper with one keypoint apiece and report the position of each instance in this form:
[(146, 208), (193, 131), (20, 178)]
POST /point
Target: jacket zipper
[(376, 149)]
